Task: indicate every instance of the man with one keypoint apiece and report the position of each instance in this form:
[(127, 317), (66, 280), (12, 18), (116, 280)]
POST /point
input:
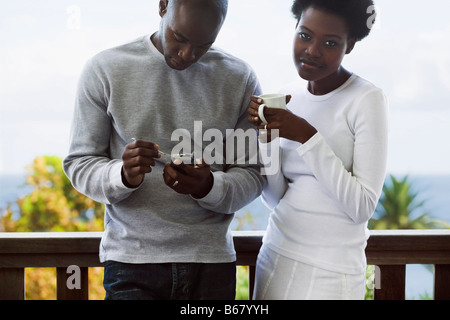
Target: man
[(166, 225)]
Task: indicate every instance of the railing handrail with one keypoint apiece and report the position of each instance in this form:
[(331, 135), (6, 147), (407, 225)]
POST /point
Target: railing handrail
[(391, 250), (398, 247), (407, 245)]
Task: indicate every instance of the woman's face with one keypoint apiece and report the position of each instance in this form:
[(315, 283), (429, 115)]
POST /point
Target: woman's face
[(321, 42)]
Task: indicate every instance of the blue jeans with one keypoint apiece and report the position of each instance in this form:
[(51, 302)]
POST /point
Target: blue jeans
[(170, 281)]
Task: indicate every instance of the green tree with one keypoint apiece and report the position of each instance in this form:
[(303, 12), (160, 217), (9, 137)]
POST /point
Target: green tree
[(54, 205), (397, 206)]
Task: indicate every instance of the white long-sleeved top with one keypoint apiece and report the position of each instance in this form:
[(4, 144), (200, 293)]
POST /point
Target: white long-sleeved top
[(328, 188)]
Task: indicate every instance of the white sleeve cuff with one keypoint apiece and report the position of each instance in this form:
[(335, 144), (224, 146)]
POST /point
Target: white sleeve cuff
[(310, 144), (115, 177)]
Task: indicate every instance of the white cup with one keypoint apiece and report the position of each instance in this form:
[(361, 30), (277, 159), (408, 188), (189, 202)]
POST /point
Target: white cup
[(274, 100)]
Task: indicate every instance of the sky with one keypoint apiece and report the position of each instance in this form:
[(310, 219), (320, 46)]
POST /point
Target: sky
[(45, 44)]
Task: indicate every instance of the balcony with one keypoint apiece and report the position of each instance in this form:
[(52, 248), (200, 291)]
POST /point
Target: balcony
[(390, 251)]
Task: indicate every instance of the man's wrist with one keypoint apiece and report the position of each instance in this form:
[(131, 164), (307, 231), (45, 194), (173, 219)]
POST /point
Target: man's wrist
[(125, 181), (206, 189)]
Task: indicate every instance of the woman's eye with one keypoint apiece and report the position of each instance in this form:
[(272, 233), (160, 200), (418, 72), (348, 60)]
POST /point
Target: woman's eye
[(331, 43), (304, 36)]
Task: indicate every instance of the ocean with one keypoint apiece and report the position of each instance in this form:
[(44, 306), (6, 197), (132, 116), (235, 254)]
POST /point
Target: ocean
[(432, 189)]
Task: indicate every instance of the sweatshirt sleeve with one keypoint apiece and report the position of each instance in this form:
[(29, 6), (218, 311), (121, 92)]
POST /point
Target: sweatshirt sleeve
[(237, 185), (88, 164), (357, 191)]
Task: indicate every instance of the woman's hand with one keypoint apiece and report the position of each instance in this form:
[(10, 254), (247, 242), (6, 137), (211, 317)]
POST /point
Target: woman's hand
[(289, 125), (253, 118), (138, 158), (196, 180)]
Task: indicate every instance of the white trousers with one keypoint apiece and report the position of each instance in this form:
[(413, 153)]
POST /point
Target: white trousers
[(281, 278)]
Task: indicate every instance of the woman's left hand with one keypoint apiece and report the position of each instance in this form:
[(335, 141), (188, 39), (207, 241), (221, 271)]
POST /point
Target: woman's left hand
[(289, 125)]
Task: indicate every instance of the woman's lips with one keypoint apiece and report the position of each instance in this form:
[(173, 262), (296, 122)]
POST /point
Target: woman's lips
[(309, 64)]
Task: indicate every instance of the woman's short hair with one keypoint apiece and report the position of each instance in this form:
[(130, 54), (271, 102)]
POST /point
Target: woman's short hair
[(359, 14)]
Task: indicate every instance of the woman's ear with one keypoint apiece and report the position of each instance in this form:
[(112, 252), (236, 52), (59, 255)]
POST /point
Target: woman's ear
[(163, 4), (350, 45)]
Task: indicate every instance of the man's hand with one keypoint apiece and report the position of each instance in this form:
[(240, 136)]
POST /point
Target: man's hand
[(138, 158), (196, 180)]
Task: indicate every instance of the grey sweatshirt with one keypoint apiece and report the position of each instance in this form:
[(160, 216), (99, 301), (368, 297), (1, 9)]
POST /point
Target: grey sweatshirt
[(129, 91)]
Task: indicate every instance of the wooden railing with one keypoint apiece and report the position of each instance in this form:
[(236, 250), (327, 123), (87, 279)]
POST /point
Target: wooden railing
[(390, 251)]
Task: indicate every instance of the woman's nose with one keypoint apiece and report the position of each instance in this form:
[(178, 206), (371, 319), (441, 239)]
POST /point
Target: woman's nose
[(313, 50)]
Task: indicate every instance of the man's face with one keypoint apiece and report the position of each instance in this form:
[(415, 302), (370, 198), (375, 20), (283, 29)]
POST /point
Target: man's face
[(188, 29)]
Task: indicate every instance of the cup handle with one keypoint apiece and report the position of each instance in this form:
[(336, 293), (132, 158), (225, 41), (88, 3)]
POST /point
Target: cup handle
[(261, 113)]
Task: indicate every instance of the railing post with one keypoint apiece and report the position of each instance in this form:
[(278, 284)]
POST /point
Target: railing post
[(12, 284), (72, 284), (391, 286), (251, 281), (442, 282)]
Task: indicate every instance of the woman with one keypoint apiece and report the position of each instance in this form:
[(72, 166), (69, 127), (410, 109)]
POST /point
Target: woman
[(333, 142)]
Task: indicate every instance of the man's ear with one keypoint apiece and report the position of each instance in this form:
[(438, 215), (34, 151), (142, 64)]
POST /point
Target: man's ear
[(163, 5), (350, 45)]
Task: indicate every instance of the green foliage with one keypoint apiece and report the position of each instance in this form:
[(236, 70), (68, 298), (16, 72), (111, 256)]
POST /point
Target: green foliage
[(425, 296), (53, 205), (396, 208), (242, 285), (398, 204), (370, 278)]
